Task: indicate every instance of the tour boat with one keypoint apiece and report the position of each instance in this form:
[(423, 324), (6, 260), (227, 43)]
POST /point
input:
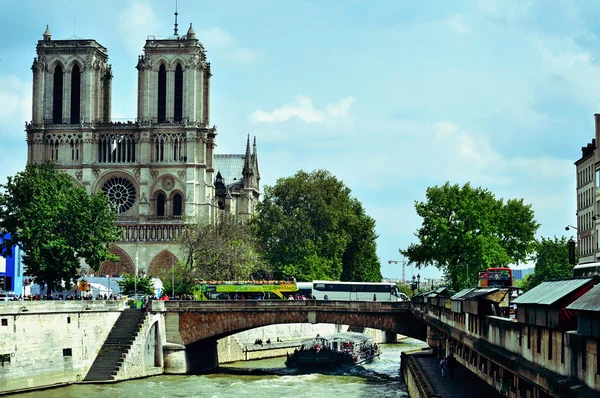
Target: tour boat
[(338, 349)]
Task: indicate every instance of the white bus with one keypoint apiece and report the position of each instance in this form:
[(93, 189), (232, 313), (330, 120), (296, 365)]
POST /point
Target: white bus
[(352, 291), (587, 269)]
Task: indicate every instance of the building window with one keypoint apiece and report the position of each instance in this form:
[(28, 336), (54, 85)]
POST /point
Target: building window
[(178, 93), (121, 193), (162, 94), (4, 322), (160, 205), (116, 148), (68, 319), (57, 95), (550, 345), (4, 360), (75, 95), (74, 149), (177, 205), (67, 352), (168, 147)]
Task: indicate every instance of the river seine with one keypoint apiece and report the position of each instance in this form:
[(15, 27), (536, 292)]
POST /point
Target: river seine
[(267, 378)]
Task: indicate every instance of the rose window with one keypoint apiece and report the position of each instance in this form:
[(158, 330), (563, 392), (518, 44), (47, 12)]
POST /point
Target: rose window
[(120, 192)]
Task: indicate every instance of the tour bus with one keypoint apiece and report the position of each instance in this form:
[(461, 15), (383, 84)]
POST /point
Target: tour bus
[(244, 290), (587, 269), (496, 277), (352, 291)]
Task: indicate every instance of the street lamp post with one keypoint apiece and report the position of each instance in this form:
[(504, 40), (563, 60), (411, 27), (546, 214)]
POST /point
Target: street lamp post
[(413, 285), (418, 282), (570, 226)]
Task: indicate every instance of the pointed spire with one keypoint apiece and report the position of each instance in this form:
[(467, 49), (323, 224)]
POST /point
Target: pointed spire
[(47, 34), (254, 147), (175, 30), (190, 33), (247, 157)]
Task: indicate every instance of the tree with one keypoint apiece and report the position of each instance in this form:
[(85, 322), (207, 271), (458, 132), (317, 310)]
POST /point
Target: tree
[(56, 224), (403, 288), (129, 285), (551, 261), (466, 230), (226, 250), (311, 228)]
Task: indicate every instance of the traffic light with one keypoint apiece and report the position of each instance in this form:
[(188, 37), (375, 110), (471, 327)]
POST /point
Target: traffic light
[(572, 252)]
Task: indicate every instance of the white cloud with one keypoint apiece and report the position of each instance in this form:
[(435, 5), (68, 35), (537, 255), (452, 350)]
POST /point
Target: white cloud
[(133, 23), (15, 109), (243, 55), (15, 106), (214, 37), (304, 109), (218, 40), (457, 25)]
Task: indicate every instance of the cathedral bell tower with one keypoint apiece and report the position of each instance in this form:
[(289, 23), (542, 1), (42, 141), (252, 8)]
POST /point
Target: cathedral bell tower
[(174, 80), (71, 81)]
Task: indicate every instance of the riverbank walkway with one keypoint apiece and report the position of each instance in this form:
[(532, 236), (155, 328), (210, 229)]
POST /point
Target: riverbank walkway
[(465, 384)]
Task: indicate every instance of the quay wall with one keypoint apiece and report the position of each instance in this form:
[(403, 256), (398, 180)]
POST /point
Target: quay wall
[(144, 357), (43, 343), (416, 382)]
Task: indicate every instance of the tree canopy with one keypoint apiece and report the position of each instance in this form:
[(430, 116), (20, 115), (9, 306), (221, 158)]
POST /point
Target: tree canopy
[(143, 285), (466, 230), (551, 258), (312, 229), (226, 250), (56, 224)]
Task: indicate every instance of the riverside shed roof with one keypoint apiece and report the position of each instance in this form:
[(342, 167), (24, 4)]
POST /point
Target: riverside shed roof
[(548, 293), (588, 302)]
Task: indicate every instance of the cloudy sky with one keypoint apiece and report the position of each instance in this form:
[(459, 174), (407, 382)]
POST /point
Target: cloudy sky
[(390, 96)]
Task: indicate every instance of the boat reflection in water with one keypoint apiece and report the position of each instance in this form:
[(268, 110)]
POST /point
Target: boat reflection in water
[(338, 349)]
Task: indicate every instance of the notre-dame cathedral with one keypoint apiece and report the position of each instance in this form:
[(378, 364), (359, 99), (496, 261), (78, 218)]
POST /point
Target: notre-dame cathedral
[(159, 170)]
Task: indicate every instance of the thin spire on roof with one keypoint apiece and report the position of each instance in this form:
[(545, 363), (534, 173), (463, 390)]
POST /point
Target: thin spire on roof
[(247, 157), (176, 18)]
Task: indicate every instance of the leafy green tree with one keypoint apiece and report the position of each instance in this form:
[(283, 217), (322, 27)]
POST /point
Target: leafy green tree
[(311, 228), (129, 285), (56, 224), (551, 258), (403, 288), (466, 230), (226, 250)]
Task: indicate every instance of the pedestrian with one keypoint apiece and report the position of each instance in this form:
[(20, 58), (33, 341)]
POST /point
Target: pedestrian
[(444, 367), (374, 297), (451, 365)]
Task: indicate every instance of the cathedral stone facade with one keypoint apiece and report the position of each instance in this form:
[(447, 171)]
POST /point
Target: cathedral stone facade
[(159, 171)]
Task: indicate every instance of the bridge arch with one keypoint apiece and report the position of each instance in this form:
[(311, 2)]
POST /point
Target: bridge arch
[(152, 347)]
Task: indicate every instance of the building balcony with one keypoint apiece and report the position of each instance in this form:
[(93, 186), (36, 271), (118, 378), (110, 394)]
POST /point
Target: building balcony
[(150, 232)]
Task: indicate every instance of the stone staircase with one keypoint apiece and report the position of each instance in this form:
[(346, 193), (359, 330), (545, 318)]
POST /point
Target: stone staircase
[(116, 346)]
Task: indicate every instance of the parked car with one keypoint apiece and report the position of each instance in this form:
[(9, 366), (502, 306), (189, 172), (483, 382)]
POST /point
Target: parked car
[(8, 296)]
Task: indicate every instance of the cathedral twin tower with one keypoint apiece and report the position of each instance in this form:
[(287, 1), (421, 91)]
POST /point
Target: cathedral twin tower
[(159, 171)]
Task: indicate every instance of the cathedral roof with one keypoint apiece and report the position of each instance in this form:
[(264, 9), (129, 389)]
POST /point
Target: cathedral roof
[(230, 166)]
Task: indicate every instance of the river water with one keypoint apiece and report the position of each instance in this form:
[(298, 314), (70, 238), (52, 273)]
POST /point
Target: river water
[(267, 378)]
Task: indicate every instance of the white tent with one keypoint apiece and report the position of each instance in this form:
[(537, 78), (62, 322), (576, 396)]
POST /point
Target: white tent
[(97, 288)]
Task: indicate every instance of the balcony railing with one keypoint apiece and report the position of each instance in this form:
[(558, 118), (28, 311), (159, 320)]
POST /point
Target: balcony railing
[(151, 233), (116, 123)]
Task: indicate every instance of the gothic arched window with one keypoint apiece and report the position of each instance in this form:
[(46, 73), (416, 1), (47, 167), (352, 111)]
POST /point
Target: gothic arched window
[(57, 95), (177, 204), (160, 205), (75, 95), (162, 94), (178, 93)]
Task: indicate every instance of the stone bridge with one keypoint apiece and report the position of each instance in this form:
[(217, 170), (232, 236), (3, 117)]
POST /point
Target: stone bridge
[(192, 328)]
